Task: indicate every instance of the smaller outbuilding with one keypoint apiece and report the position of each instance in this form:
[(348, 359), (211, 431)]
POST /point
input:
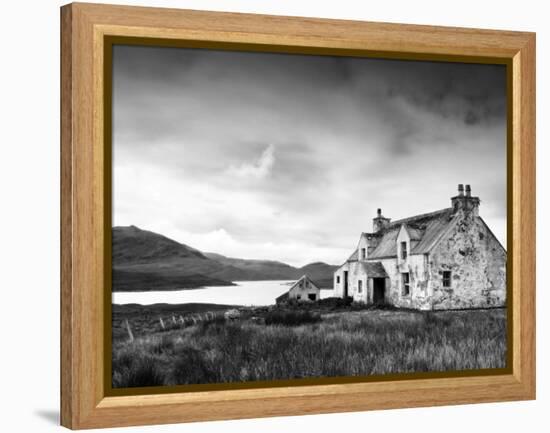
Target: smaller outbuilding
[(302, 290)]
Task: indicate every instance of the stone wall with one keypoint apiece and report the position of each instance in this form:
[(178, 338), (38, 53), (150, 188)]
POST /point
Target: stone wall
[(477, 263), (338, 281), (468, 250), (416, 266), (304, 291), (356, 272)]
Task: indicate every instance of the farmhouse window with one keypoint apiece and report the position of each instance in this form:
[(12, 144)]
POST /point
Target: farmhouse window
[(406, 284), (403, 250), (298, 297), (338, 279), (363, 253), (312, 296), (446, 278), (360, 287)]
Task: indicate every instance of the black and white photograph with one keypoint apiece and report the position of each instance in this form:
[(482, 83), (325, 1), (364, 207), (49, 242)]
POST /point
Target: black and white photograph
[(280, 217)]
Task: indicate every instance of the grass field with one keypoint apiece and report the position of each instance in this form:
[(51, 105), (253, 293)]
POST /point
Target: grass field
[(289, 343)]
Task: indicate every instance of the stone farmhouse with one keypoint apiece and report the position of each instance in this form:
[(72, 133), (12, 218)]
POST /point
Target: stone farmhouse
[(447, 259), (302, 290)]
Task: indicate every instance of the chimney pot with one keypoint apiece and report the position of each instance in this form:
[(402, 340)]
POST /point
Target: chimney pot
[(468, 191), (379, 222), (460, 189)]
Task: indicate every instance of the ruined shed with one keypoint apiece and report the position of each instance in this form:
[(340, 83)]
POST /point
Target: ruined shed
[(302, 290)]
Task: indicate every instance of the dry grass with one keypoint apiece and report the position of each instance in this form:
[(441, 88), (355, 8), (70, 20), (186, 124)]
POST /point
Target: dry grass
[(348, 343)]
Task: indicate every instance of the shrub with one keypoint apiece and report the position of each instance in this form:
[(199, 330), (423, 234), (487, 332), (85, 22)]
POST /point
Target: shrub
[(161, 344), (142, 371), (432, 318), (123, 359), (326, 304), (191, 366), (216, 321), (291, 318)]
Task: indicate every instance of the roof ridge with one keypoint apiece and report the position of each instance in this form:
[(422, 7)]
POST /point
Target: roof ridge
[(423, 228), (420, 216)]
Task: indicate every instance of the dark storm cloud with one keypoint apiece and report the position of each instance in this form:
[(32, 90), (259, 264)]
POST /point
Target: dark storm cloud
[(461, 90), (288, 156)]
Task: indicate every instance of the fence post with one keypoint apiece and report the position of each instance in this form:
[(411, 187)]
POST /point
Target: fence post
[(130, 334), (161, 323)]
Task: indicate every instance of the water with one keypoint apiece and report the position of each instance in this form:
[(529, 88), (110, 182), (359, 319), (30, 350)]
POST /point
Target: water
[(249, 293)]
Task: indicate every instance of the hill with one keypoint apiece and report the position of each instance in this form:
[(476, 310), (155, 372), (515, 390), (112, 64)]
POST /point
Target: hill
[(319, 272), (132, 245), (144, 260), (257, 269)]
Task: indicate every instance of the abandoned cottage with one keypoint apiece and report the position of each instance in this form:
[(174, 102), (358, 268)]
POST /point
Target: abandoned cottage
[(447, 259), (302, 290)]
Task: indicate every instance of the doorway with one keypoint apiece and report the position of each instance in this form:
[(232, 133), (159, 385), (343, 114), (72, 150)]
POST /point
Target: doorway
[(345, 284), (379, 291)]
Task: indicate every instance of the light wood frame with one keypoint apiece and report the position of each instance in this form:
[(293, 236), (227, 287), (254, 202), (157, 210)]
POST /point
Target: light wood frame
[(84, 403)]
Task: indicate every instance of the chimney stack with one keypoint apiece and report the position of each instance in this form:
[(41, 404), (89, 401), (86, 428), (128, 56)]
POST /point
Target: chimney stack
[(380, 221), (466, 203)]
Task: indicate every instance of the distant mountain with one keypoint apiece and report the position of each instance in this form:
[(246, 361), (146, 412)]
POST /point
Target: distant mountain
[(319, 272), (132, 245), (144, 260), (257, 269)]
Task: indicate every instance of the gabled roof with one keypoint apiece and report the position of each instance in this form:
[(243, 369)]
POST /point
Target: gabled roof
[(302, 278), (374, 269), (415, 234), (354, 256), (282, 298), (425, 229)]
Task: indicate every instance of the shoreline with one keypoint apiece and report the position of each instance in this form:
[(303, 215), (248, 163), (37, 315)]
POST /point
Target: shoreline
[(233, 284)]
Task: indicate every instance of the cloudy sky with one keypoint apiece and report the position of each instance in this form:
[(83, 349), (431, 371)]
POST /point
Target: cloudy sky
[(287, 157)]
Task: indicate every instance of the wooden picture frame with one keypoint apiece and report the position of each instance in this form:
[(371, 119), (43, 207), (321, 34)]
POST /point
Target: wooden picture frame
[(85, 171)]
